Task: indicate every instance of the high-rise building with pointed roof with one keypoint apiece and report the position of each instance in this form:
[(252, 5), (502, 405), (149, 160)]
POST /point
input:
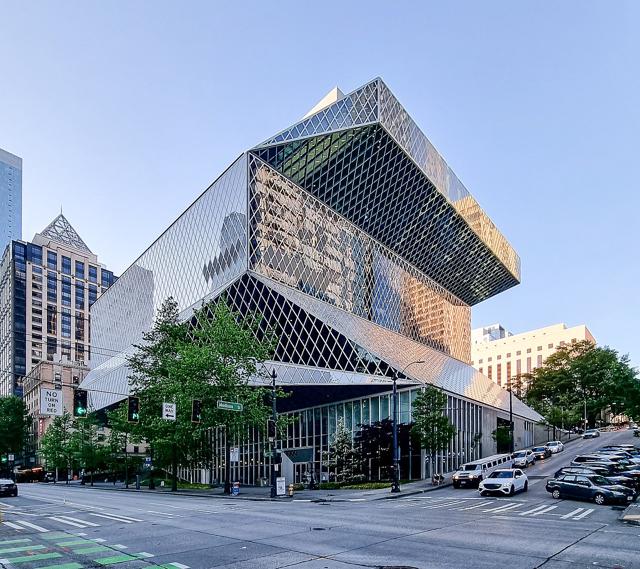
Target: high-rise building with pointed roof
[(46, 288)]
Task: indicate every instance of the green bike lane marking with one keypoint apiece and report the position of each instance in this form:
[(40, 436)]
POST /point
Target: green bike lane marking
[(116, 559), (95, 549), (23, 548), (64, 566), (8, 541), (28, 558), (56, 535), (74, 542)]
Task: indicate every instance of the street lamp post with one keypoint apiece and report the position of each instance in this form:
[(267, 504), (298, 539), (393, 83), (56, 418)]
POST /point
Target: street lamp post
[(395, 482), (511, 447), (274, 418)]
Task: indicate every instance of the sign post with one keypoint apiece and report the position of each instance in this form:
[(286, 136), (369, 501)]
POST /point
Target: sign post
[(51, 402), (229, 405), (169, 411)]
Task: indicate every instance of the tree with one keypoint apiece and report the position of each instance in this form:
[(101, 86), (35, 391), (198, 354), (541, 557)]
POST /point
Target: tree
[(583, 377), (87, 445), (209, 357), (432, 427), (342, 455), (14, 424), (55, 445), (502, 436)]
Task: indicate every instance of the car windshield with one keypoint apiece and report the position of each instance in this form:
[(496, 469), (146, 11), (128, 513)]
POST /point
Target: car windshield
[(520, 454), (5, 481), (470, 467), (501, 474), (539, 449), (552, 444)]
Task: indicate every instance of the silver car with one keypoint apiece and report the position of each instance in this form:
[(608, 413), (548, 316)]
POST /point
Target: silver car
[(523, 459)]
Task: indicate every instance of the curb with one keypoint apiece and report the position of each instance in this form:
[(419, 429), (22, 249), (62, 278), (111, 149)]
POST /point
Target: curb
[(631, 515)]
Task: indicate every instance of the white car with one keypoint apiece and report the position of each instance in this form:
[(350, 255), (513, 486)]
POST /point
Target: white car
[(524, 458), (504, 481), (555, 446)]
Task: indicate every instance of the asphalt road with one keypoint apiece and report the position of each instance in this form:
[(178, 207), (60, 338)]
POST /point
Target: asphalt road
[(60, 527)]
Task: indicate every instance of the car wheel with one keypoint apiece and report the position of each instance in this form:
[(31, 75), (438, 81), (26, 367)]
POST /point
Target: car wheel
[(483, 493), (599, 499), (512, 491), (526, 486), (555, 494)]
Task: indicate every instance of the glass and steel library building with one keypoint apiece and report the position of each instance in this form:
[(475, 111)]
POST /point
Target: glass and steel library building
[(354, 239)]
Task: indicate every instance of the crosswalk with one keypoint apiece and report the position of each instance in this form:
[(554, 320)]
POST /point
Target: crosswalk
[(65, 521), (520, 509)]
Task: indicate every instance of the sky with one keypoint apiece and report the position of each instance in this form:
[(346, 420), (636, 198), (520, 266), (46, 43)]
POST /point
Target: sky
[(124, 112)]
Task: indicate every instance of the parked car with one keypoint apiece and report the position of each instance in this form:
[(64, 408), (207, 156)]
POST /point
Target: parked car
[(506, 481), (523, 458), (582, 459), (555, 446), (598, 471), (541, 452), (8, 487), (591, 434), (594, 488)]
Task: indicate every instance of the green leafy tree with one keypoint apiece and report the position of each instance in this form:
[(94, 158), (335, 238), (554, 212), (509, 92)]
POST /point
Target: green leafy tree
[(502, 436), (583, 376), (431, 426), (121, 433), (211, 356), (56, 445), (342, 456), (87, 445), (14, 424)]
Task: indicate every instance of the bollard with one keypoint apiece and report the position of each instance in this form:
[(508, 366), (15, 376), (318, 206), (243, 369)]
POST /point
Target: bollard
[(236, 489), (137, 482), (291, 490)]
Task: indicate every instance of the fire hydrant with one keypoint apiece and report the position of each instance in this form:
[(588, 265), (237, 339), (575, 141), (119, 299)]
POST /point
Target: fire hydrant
[(290, 490)]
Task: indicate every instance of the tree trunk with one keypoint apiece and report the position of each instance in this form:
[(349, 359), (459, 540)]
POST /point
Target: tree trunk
[(91, 478), (174, 467)]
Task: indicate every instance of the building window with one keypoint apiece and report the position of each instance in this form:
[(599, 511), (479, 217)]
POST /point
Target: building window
[(52, 320), (528, 365), (480, 370), (66, 291), (93, 274), (479, 361), (52, 260), (489, 372), (489, 359), (508, 371), (528, 350), (79, 327), (52, 344), (79, 351), (79, 270), (79, 296), (508, 354), (518, 367), (93, 294), (65, 350), (35, 254), (107, 278), (539, 361), (549, 346), (52, 287), (539, 348), (66, 265), (562, 344), (65, 323), (518, 353), (499, 374)]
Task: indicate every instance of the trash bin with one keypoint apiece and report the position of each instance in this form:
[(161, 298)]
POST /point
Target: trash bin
[(236, 489)]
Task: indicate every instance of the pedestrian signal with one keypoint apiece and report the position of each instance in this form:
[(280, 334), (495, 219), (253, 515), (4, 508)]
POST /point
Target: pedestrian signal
[(80, 406), (133, 409)]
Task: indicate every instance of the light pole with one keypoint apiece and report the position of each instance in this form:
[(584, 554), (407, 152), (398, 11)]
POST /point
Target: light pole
[(395, 482), (274, 418), (511, 449)]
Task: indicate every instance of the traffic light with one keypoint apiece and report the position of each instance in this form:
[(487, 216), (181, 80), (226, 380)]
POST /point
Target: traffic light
[(196, 411), (80, 406), (4, 459), (133, 409), (271, 429)]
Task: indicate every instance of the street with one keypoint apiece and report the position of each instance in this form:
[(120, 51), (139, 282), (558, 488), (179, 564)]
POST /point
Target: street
[(74, 527)]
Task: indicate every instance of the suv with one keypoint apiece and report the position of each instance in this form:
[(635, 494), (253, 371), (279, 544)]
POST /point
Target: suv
[(8, 487), (598, 471), (592, 487), (582, 459), (523, 459), (507, 482)]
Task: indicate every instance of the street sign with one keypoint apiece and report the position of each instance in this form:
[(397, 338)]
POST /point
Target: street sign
[(11, 457), (271, 453), (234, 454), (147, 462), (280, 486), (229, 405), (51, 402), (169, 411)]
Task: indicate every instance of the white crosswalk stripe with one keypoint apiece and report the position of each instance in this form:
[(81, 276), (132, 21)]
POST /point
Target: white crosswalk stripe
[(583, 514), (12, 525), (117, 517), (67, 522), (532, 511), (33, 526), (477, 505), (571, 514), (501, 509), (445, 505), (546, 510), (86, 523)]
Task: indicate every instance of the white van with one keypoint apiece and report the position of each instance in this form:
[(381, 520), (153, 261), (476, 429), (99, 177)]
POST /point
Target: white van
[(472, 473)]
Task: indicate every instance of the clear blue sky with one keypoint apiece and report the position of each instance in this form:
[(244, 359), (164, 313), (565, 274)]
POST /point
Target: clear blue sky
[(125, 111)]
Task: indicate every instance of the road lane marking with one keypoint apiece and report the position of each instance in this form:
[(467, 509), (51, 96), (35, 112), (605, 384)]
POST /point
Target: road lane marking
[(501, 509), (22, 548), (56, 535), (94, 549), (532, 511), (178, 565), (119, 546), (144, 555), (63, 566), (10, 541), (546, 510), (60, 520), (29, 558), (12, 525), (447, 504), (86, 523), (584, 514), (477, 505), (74, 542), (118, 518), (33, 526), (98, 539), (570, 514)]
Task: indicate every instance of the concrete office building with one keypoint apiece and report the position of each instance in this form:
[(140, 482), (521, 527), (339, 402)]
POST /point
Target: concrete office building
[(46, 288), (501, 356), (354, 239), (10, 198)]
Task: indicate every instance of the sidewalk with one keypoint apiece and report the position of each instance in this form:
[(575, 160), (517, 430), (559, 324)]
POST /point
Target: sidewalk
[(631, 515), (263, 493)]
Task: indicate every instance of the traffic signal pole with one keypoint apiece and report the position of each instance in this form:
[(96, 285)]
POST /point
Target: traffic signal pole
[(274, 418)]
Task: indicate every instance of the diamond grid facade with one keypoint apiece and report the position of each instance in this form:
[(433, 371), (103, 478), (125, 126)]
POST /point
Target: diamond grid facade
[(357, 244)]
